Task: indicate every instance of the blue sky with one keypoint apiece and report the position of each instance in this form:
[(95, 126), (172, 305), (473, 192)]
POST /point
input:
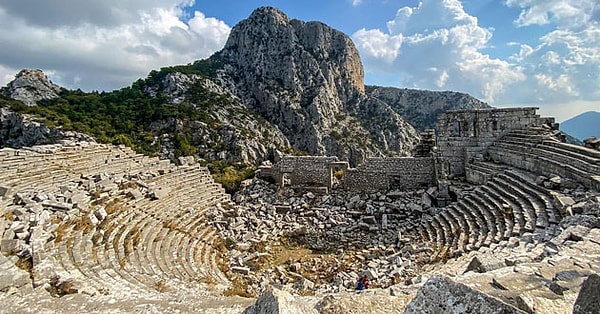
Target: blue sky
[(543, 53)]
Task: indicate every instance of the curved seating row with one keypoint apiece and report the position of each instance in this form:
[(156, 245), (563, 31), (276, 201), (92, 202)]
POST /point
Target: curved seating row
[(508, 203), (536, 152), (143, 245)]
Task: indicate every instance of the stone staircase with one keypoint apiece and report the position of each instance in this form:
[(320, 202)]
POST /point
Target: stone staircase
[(90, 215)]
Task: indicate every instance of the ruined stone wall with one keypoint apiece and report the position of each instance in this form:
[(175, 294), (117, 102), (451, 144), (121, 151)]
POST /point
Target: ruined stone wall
[(375, 174), (307, 170), (403, 173), (465, 134)]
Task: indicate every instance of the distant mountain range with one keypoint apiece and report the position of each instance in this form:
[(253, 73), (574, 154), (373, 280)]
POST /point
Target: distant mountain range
[(583, 126)]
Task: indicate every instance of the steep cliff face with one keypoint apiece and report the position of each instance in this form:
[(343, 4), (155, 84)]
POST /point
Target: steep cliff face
[(29, 86), (307, 78), (421, 107)]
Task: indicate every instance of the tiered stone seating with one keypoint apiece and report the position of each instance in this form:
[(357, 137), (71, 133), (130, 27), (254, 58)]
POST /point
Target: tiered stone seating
[(479, 172), (510, 204), (531, 150), (143, 243)]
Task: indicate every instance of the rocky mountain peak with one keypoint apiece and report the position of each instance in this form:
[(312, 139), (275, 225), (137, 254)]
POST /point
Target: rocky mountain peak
[(295, 54), (30, 86), (306, 78)]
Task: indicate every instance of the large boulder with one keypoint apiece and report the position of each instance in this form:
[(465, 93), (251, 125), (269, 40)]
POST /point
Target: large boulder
[(442, 295), (588, 300), (275, 301)]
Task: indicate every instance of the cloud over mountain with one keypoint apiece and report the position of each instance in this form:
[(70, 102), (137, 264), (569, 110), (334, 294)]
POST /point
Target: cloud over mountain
[(92, 45), (438, 45), (440, 49)]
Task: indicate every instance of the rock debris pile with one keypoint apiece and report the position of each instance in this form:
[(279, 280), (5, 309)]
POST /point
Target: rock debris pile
[(351, 234)]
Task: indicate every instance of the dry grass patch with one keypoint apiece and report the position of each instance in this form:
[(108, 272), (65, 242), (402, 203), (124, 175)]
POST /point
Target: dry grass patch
[(61, 231), (239, 287), (10, 216), (161, 286), (25, 264), (83, 224), (114, 206), (128, 185)]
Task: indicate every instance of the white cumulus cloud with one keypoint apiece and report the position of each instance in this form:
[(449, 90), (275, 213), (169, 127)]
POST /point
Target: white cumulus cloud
[(104, 45), (577, 13), (440, 49), (564, 66), (378, 45), (442, 46)]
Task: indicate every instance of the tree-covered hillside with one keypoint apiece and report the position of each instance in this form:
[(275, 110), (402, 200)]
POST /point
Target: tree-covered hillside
[(126, 117)]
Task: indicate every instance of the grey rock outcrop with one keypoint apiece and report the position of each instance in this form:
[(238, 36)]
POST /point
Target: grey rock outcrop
[(421, 107), (277, 301), (442, 295), (17, 130), (30, 86), (307, 78), (237, 135)]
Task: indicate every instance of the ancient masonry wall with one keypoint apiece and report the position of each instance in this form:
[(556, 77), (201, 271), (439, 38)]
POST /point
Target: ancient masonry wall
[(465, 134), (306, 170), (373, 175), (391, 173)]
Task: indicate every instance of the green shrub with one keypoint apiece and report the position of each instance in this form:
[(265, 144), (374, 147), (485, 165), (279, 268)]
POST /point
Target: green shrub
[(230, 176)]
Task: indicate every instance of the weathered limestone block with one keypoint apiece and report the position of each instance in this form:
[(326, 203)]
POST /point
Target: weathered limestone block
[(58, 205), (186, 160), (275, 301), (304, 285), (77, 198), (588, 300), (100, 213), (135, 194), (481, 264), (93, 219), (4, 191), (241, 270), (9, 246), (442, 295), (11, 275), (107, 185), (158, 193)]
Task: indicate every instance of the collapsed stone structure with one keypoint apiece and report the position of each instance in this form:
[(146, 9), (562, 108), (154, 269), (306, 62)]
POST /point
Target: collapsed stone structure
[(106, 224)]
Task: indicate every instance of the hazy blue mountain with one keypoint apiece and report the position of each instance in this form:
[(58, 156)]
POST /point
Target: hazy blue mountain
[(583, 126)]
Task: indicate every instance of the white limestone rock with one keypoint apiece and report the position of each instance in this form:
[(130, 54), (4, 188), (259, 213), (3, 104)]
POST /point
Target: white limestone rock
[(275, 301), (442, 295), (30, 86)]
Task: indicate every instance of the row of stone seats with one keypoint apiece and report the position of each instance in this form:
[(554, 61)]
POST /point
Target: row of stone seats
[(144, 242), (537, 153), (509, 205)]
